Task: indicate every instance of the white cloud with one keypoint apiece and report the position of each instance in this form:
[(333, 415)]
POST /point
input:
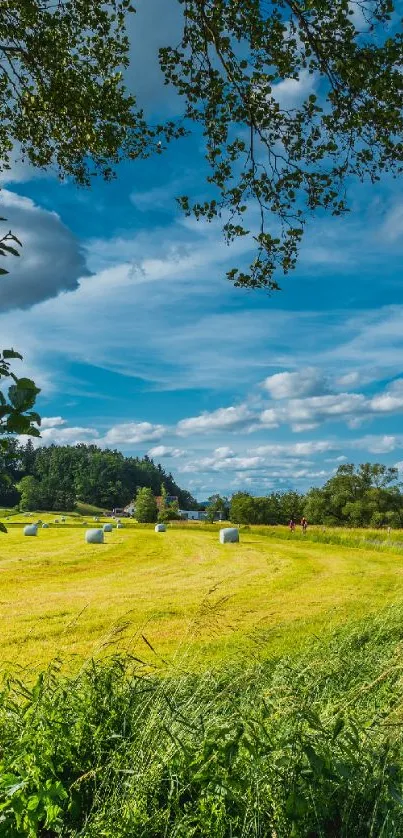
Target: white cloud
[(391, 400), (68, 436), (307, 382), (224, 452), (131, 433), (222, 464), (52, 422), (225, 418), (303, 414), (378, 444), (165, 451), (350, 379), (290, 93), (296, 449)]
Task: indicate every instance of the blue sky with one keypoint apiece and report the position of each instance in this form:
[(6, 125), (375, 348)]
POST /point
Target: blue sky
[(122, 311)]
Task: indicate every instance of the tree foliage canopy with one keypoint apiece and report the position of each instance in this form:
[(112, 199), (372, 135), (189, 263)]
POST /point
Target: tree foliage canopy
[(288, 160), (62, 475), (368, 495), (62, 100), (271, 161)]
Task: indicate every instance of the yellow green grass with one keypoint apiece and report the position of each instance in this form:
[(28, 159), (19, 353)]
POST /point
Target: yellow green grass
[(185, 593)]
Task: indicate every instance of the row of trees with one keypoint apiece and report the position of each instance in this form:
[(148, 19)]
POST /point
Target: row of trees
[(56, 477), (367, 495)]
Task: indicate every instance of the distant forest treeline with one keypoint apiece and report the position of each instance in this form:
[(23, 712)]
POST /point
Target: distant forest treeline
[(56, 477), (368, 495)]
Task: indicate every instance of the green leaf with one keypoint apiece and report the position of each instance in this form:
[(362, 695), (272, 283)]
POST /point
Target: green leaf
[(338, 727), (6, 248), (33, 802), (296, 805), (23, 394)]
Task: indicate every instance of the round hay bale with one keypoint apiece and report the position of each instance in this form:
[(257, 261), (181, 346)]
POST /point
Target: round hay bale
[(160, 528), (107, 528), (56, 521), (229, 535), (45, 526), (119, 526), (94, 536), (31, 529)]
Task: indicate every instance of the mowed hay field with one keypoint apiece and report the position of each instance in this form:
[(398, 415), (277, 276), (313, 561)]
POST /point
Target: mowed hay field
[(188, 596)]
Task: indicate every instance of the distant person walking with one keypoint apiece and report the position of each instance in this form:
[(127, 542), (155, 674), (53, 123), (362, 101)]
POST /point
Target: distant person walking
[(304, 525), (292, 525)]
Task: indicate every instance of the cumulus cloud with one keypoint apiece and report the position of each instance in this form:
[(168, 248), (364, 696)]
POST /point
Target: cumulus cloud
[(131, 433), (52, 422), (391, 400), (307, 382), (224, 452), (383, 444), (165, 451), (51, 259), (303, 414), (67, 436), (225, 418)]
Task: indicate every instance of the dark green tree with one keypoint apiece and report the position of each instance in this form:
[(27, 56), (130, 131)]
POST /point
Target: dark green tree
[(146, 507), (31, 495), (242, 509), (217, 508)]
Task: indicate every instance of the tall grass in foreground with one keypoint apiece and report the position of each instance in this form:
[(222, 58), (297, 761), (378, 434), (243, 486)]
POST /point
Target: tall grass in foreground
[(294, 747)]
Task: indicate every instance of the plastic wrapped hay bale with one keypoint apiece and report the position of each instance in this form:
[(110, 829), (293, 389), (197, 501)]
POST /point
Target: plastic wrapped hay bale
[(229, 535), (119, 526), (94, 536), (107, 527), (160, 528), (31, 529), (45, 526)]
